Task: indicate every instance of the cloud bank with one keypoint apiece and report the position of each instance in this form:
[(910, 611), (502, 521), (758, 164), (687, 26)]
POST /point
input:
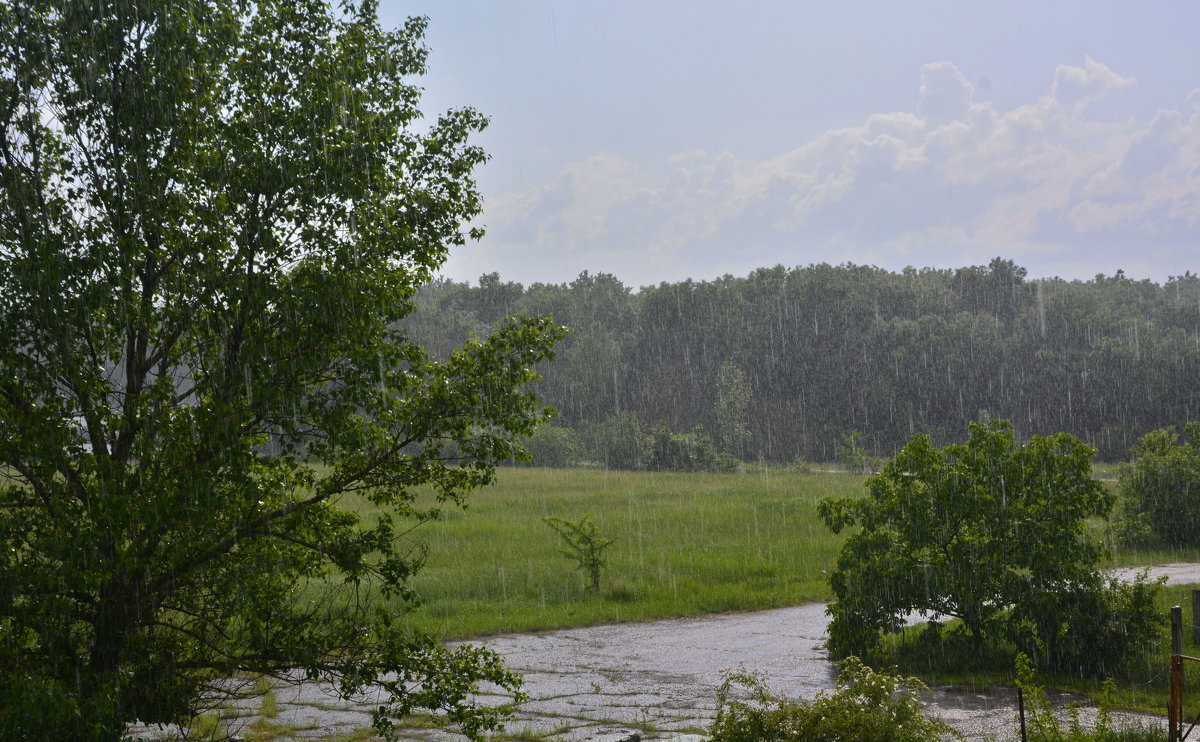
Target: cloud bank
[(954, 182)]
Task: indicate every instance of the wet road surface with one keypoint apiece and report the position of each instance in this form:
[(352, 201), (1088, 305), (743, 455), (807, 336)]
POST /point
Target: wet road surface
[(658, 678)]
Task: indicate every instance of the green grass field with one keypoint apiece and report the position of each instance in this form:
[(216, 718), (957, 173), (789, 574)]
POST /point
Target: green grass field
[(686, 544)]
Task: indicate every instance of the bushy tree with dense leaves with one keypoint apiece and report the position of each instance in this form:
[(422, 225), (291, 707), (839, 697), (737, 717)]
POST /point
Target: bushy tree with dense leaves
[(993, 533), (213, 214)]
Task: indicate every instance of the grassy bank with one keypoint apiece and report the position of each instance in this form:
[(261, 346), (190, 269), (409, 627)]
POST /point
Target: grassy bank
[(687, 544)]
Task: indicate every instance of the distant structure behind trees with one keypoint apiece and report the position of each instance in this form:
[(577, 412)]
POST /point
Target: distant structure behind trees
[(828, 350)]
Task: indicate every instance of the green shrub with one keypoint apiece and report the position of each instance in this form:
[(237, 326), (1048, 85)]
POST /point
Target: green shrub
[(671, 451), (865, 705), (727, 463), (801, 466), (555, 447), (1092, 629), (852, 451), (618, 442), (1160, 489)]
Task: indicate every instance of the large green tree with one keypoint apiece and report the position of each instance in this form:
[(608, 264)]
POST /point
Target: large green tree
[(213, 213), (991, 532)]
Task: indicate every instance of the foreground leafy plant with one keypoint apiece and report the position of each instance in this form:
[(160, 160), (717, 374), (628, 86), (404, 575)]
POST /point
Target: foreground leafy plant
[(865, 705), (1044, 725), (212, 216)]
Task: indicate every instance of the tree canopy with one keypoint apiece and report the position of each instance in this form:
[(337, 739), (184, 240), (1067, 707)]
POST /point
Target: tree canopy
[(990, 532), (1161, 488), (213, 215), (831, 349)]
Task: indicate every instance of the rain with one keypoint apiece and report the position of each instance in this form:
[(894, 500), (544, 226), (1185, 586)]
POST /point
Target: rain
[(598, 371)]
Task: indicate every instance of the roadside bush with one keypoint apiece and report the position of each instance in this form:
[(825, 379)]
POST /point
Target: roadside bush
[(993, 533), (554, 447), (1091, 629), (865, 705), (1160, 489)]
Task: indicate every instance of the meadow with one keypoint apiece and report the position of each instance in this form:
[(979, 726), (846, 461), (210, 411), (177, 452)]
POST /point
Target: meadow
[(685, 544)]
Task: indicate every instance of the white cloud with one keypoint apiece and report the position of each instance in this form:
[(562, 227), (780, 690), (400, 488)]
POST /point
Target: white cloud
[(1077, 86), (955, 182), (945, 94)]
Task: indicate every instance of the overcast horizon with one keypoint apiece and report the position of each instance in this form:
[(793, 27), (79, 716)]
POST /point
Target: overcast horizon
[(662, 141)]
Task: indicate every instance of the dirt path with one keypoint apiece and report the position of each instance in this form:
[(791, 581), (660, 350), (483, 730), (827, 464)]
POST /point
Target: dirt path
[(659, 678)]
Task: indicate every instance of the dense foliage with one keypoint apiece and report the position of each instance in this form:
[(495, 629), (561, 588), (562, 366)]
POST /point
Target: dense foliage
[(827, 350), (865, 705), (992, 533), (1161, 488), (213, 215), (554, 446)]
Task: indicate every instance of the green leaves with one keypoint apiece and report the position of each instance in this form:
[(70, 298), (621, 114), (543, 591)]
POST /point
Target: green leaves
[(212, 217), (867, 705), (584, 546), (990, 532), (1160, 488)]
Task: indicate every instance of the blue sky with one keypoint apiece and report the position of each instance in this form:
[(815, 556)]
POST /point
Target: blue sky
[(668, 140)]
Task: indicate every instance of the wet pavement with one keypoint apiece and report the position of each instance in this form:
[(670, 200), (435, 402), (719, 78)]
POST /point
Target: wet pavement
[(658, 679)]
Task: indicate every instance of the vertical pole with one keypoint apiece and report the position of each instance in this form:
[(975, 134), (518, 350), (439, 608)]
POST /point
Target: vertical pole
[(1196, 616), (1176, 630), (1021, 709), (1175, 712)]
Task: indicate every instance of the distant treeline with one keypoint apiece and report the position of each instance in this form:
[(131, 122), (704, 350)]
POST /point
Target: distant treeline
[(829, 350)]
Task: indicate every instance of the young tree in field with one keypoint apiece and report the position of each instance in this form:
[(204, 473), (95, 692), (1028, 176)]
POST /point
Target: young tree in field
[(990, 532), (212, 214), (584, 546)]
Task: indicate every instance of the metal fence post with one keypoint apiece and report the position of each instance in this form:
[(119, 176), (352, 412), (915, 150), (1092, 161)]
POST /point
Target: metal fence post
[(1021, 710), (1175, 711)]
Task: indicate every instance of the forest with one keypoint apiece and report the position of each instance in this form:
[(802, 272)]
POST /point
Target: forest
[(826, 352)]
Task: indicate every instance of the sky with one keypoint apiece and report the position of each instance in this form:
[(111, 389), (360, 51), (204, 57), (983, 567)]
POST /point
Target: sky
[(661, 141)]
